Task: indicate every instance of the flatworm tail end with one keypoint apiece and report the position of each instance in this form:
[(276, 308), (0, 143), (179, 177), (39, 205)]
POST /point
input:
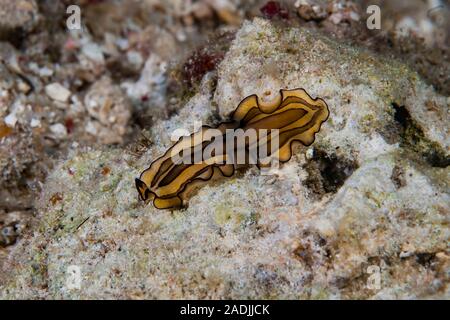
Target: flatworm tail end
[(296, 115)]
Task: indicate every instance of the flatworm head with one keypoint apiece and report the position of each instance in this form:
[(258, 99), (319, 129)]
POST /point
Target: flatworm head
[(208, 154)]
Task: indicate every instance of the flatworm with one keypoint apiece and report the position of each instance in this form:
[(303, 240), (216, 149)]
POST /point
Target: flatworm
[(266, 131)]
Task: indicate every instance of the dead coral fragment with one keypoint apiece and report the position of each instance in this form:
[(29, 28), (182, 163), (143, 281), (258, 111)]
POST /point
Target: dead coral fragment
[(110, 110), (210, 153)]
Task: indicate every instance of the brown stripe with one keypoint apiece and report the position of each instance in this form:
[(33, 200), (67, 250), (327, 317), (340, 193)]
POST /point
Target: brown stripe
[(280, 120)]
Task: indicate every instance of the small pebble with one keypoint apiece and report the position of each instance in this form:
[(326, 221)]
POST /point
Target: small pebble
[(45, 72), (91, 128), (11, 120), (93, 52), (59, 130), (309, 153), (405, 254), (57, 92), (135, 58), (23, 87), (34, 123), (122, 43)]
